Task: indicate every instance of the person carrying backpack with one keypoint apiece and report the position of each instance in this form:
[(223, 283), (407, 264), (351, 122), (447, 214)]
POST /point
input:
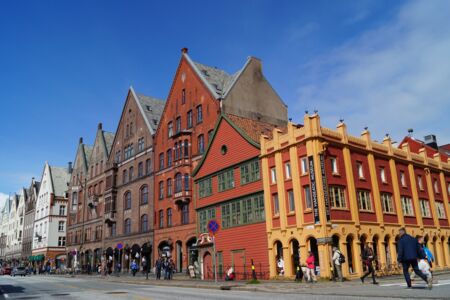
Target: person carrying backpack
[(338, 259)]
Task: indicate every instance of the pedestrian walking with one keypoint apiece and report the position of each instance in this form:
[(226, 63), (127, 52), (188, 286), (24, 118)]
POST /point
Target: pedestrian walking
[(368, 258), (409, 251), (134, 268), (158, 266), (166, 267), (337, 261), (310, 267), (426, 253)]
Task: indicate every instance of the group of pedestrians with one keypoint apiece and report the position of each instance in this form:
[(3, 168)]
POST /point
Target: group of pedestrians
[(166, 265)]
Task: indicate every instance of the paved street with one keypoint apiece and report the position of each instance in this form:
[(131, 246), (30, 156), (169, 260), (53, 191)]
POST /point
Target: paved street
[(60, 287)]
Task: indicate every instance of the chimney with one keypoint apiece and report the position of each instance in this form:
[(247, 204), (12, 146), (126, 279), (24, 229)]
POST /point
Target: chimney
[(81, 140), (69, 167), (100, 126), (184, 50), (430, 140)]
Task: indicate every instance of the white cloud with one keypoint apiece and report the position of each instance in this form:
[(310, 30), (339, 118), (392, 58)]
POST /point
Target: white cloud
[(391, 78), (3, 198)]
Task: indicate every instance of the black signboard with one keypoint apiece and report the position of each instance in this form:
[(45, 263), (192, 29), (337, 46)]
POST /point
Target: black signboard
[(312, 180), (325, 187)]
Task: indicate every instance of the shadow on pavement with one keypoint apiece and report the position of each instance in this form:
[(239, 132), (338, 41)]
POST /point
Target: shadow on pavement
[(10, 289)]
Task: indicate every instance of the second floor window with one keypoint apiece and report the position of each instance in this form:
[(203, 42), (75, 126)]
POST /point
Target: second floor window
[(287, 167), (419, 182), (291, 200), (199, 114), (205, 187), (425, 208), (144, 223), (383, 175), (387, 203), (141, 144), (440, 211), (148, 166), (402, 179), (178, 183), (127, 226), (169, 217), (169, 187), (364, 201), (201, 144), (407, 206), (161, 190), (144, 194), (131, 173), (127, 200), (161, 161), (307, 191), (169, 158), (337, 197), (185, 214), (226, 180), (276, 204), (189, 119), (62, 210), (186, 182), (124, 176), (161, 219), (140, 169), (61, 226), (304, 165)]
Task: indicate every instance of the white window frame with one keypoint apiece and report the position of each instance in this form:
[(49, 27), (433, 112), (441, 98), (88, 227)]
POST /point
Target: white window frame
[(364, 200), (276, 204), (383, 175), (340, 201), (402, 179), (359, 168), (436, 186), (425, 208), (419, 182), (61, 226), (291, 200), (440, 210), (407, 206), (273, 175), (334, 166), (287, 168), (387, 203), (304, 166)]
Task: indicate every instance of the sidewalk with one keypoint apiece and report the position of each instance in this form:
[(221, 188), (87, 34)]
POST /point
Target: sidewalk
[(273, 286)]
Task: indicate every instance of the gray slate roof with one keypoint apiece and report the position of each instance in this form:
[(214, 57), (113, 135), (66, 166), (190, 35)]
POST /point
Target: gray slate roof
[(87, 153), (59, 177), (109, 140), (152, 108), (219, 79)]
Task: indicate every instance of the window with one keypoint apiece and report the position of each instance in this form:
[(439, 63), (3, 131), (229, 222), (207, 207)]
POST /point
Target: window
[(226, 180), (124, 176), (364, 202), (402, 179), (205, 188), (74, 200), (161, 190), (169, 187), (199, 114), (144, 223), (276, 204), (242, 211), (186, 148), (308, 202), (382, 175), (170, 129), (127, 200), (161, 219), (169, 217), (250, 172), (407, 206), (140, 169), (144, 195), (436, 186), (201, 144), (337, 197), (287, 167), (304, 165), (169, 157), (204, 216), (291, 200), (210, 134), (175, 151), (425, 208), (440, 210), (131, 128), (189, 119), (183, 96), (161, 161), (127, 226), (113, 231), (186, 182), (148, 166), (185, 214), (131, 173), (359, 168), (334, 166), (61, 241), (62, 210), (273, 175), (387, 203), (178, 125), (419, 182), (141, 144), (129, 151), (61, 226), (178, 183)]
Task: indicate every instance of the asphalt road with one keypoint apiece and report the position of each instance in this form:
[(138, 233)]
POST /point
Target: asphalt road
[(58, 287)]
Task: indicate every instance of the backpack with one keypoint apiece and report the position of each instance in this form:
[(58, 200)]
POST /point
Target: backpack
[(341, 258)]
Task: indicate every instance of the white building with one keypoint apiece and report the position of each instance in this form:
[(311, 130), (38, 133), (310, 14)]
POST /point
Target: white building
[(13, 251), (49, 238), (4, 228)]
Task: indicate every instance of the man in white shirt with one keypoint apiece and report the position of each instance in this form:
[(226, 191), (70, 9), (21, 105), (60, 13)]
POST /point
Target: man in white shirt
[(337, 264)]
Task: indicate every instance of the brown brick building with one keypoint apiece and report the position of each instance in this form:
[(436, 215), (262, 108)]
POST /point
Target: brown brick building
[(128, 207), (199, 94)]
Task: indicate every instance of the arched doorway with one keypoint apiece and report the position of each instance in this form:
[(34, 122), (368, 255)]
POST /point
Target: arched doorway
[(88, 256), (207, 266), (165, 249), (179, 256), (312, 246), (350, 254), (295, 255), (136, 254)]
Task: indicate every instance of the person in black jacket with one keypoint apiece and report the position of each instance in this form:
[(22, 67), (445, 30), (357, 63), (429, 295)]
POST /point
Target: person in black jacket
[(367, 258), (409, 251)]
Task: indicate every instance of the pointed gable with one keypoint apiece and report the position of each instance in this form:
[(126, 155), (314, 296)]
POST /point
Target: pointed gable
[(230, 145), (101, 147)]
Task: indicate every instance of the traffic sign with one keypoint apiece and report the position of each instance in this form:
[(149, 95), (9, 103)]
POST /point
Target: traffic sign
[(213, 226), (119, 246)]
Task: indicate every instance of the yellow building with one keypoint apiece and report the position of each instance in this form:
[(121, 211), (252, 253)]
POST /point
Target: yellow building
[(323, 187)]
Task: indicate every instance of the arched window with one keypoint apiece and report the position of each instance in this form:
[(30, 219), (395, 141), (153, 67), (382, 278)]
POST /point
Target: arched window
[(127, 200), (144, 195), (127, 226), (169, 187), (130, 173), (186, 148), (169, 217), (186, 182), (144, 223), (178, 184)]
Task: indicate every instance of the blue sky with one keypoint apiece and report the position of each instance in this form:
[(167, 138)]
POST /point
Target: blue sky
[(67, 65)]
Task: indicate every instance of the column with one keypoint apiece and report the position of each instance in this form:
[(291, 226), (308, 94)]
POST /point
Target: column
[(357, 263), (287, 260)]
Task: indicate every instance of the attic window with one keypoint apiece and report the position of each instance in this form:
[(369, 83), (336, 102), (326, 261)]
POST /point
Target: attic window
[(155, 121), (224, 149), (149, 108), (205, 72), (217, 87), (129, 110)]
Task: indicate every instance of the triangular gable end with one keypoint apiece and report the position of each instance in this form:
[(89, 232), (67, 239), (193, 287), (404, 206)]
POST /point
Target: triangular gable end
[(239, 147)]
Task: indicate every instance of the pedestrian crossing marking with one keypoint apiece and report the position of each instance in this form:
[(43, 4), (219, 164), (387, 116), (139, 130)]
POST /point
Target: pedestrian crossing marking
[(421, 283)]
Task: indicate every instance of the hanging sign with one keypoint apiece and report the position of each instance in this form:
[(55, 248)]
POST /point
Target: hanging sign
[(313, 186), (325, 187)]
